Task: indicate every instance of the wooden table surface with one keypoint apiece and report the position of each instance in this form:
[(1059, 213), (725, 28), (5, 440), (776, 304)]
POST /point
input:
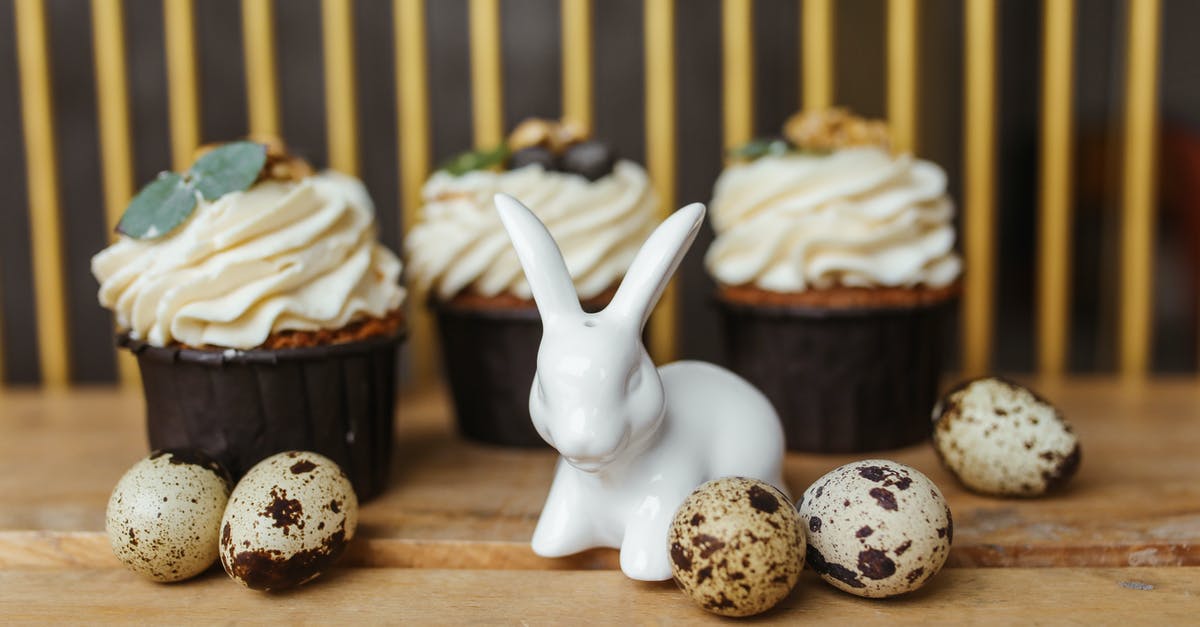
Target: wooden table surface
[(442, 544)]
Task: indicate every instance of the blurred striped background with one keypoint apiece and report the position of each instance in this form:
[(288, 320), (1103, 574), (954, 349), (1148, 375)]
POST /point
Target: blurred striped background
[(1070, 94)]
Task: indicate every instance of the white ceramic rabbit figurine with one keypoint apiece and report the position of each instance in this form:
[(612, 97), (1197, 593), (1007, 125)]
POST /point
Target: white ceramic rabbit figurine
[(634, 440)]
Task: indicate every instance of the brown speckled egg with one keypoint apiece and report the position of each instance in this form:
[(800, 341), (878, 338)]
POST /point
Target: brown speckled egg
[(876, 528), (287, 520), (1000, 438), (164, 516), (736, 546)]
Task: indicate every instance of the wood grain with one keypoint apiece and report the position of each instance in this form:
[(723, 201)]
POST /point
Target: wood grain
[(956, 596), (1136, 501)]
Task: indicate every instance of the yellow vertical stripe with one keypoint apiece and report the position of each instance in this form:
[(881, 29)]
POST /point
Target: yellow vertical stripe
[(116, 150), (1054, 232), (112, 112), (577, 61), (341, 116), (37, 115), (816, 54), (412, 96), (1139, 193), (903, 56), (182, 84), (262, 90), (659, 24), (487, 96), (979, 131), (737, 46)]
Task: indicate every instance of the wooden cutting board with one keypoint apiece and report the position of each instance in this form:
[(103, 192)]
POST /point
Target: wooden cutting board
[(454, 504), (442, 545)]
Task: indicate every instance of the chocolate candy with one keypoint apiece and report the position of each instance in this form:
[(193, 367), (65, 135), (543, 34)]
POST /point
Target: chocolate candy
[(591, 159), (531, 155)]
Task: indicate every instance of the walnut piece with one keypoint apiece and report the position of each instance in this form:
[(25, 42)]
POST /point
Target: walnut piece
[(830, 129), (553, 135)]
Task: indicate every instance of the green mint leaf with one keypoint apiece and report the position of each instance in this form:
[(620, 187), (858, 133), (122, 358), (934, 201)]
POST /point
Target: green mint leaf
[(472, 160), (158, 208), (232, 167), (757, 148)]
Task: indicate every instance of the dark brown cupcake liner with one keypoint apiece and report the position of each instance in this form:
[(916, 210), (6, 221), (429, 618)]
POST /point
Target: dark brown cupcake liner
[(243, 406), (489, 357), (842, 380)]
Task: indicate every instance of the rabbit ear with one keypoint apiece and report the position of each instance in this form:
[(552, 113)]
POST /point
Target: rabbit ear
[(655, 263), (553, 289)]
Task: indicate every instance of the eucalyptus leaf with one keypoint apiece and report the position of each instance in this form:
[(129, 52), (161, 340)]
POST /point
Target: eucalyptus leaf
[(232, 167), (158, 208), (473, 160)]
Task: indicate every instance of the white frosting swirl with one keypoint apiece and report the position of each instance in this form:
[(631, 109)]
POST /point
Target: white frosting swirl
[(859, 217), (279, 256), (460, 242)]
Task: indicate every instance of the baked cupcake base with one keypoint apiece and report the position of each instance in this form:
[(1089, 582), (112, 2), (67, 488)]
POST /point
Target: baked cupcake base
[(489, 354), (848, 370), (331, 392)]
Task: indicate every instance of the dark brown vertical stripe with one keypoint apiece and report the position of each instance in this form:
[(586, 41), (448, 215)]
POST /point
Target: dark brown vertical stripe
[(147, 89), (939, 113), (84, 231), (449, 78), (301, 77), (1177, 292), (532, 64), (776, 64), (859, 80), (939, 88), (698, 26), (1018, 94), (16, 274), (619, 92), (1097, 186), (222, 70), (377, 114)]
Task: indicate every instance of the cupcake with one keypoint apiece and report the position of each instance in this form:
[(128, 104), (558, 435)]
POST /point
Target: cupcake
[(835, 265), (264, 314), (598, 208)]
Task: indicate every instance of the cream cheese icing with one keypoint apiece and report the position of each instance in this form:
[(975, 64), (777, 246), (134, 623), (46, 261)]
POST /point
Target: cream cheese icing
[(279, 256), (859, 217), (460, 243)]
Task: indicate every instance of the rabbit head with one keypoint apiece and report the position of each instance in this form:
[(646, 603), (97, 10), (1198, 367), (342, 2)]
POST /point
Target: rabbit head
[(596, 393)]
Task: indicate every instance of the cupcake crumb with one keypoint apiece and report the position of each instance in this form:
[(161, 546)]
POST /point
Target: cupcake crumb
[(364, 329), (353, 332)]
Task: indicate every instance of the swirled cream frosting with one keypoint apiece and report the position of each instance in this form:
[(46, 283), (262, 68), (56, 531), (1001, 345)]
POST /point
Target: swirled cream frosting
[(460, 243), (858, 217), (298, 256)]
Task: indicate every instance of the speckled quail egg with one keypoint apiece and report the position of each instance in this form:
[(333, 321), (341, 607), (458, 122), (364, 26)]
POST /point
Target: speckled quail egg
[(736, 546), (287, 521), (1000, 438), (876, 528), (164, 516)]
